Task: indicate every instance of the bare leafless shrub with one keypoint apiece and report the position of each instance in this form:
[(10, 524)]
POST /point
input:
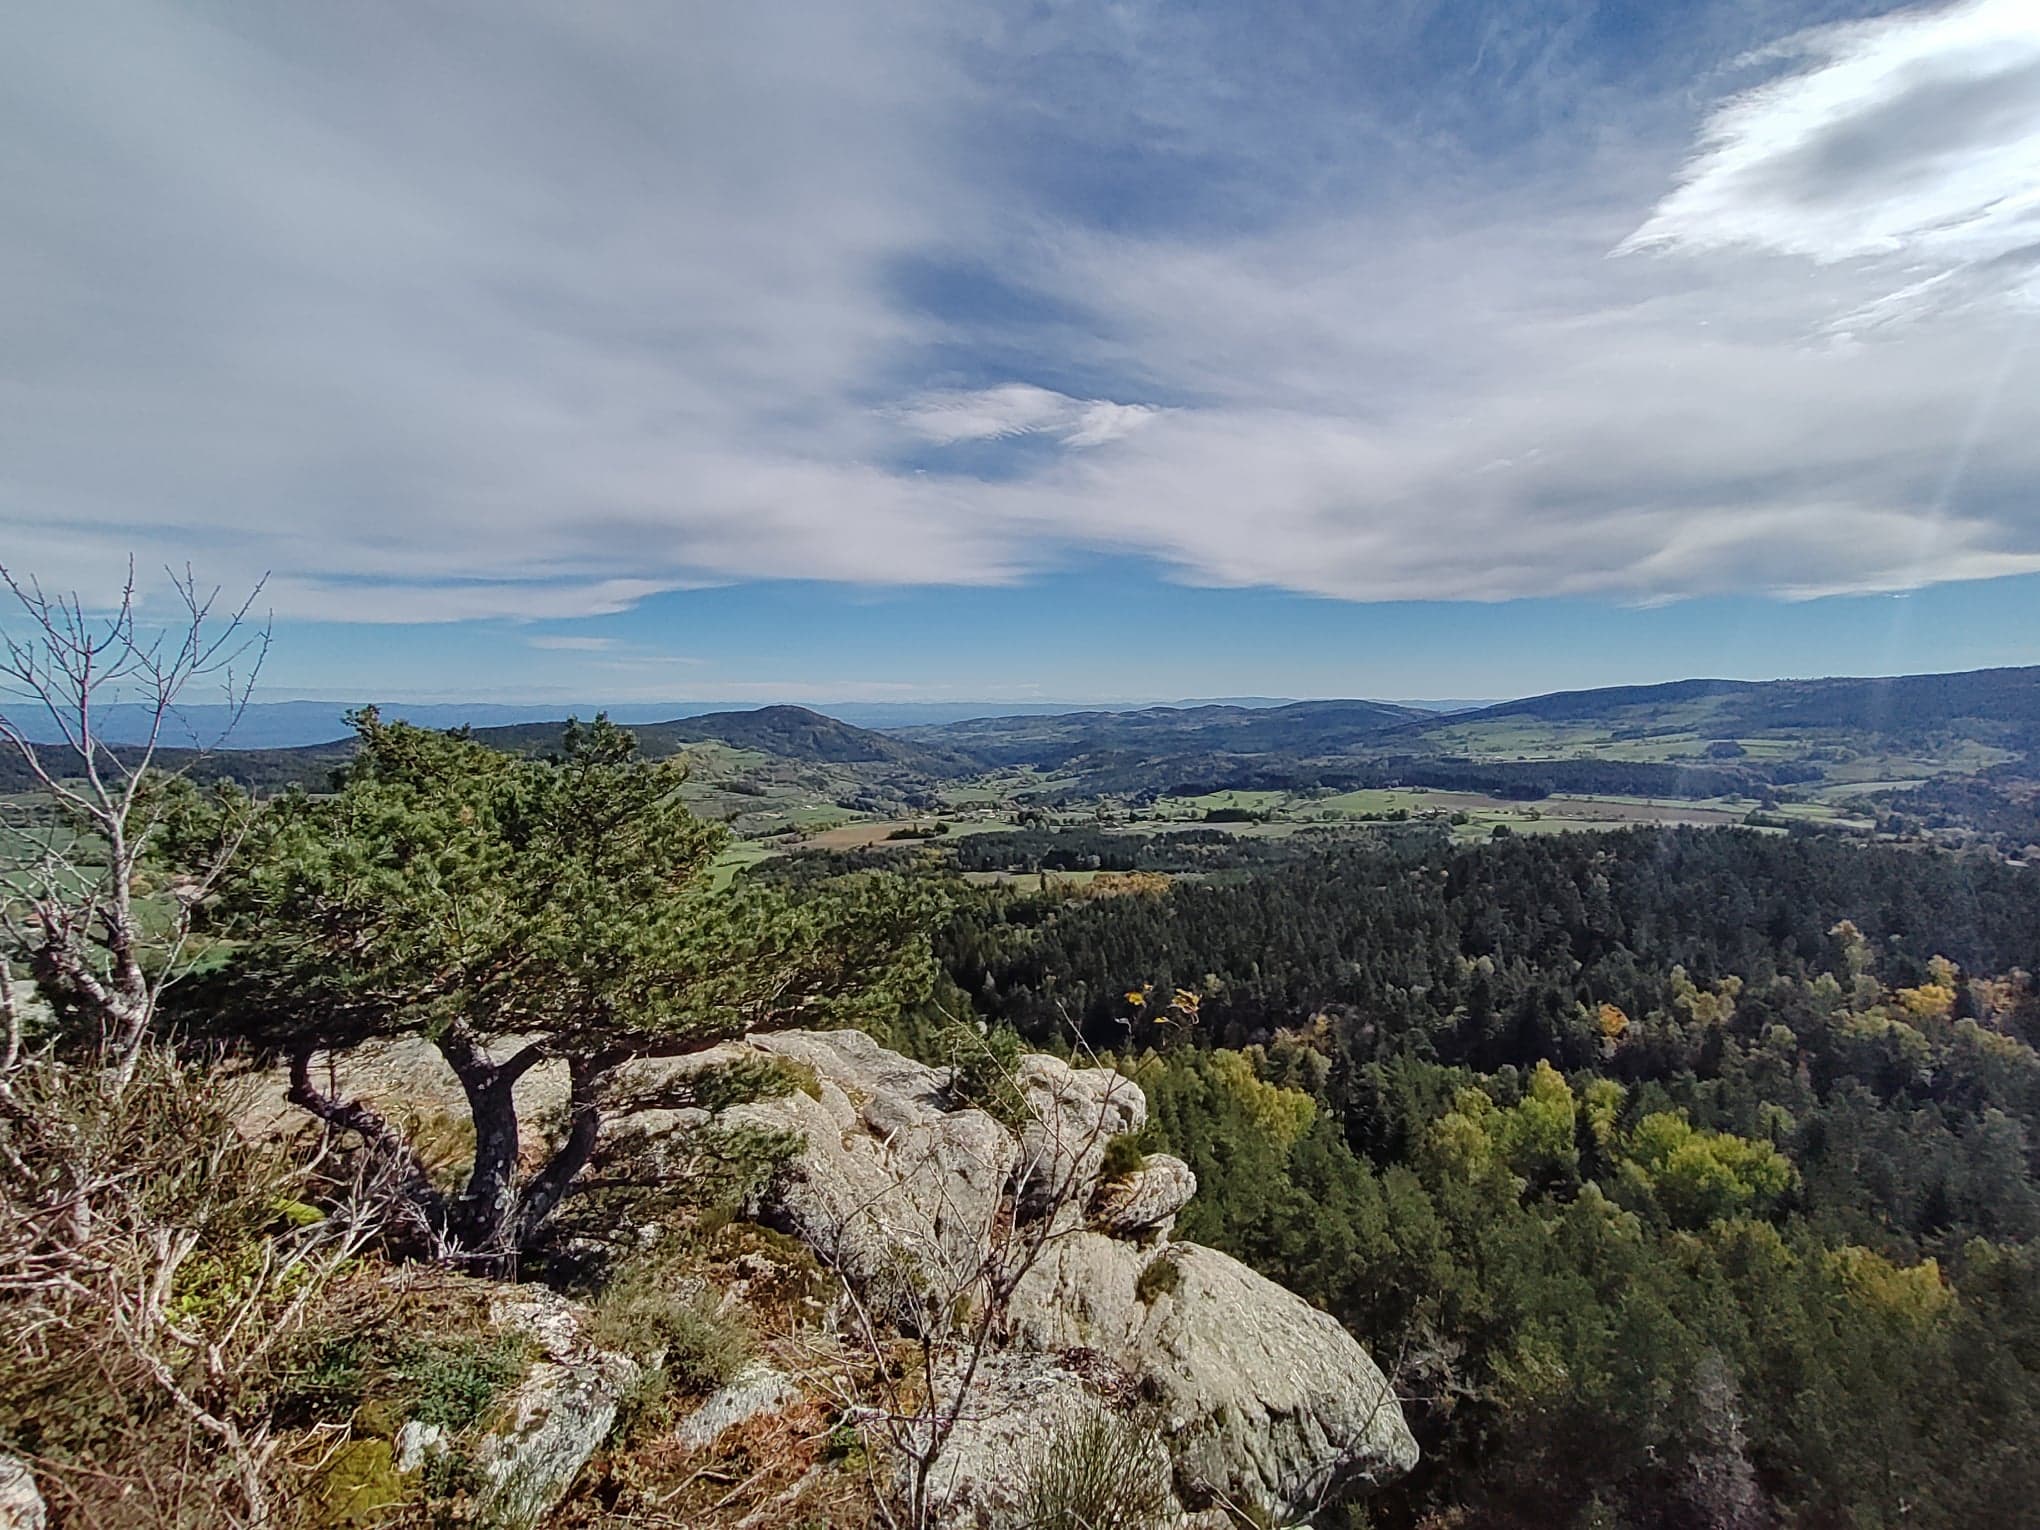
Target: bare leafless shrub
[(74, 914), (154, 1268), (927, 1322), (153, 1263)]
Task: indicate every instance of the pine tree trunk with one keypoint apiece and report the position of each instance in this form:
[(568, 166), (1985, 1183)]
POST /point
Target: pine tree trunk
[(484, 1215), (550, 1185)]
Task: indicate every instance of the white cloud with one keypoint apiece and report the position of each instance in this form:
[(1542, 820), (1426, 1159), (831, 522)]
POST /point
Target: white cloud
[(531, 313), (562, 643), (538, 319), (1019, 409), (375, 601), (987, 414), (1913, 139), (1099, 422)]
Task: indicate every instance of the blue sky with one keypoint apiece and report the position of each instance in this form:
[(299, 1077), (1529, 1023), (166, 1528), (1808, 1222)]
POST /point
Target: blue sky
[(1035, 351)]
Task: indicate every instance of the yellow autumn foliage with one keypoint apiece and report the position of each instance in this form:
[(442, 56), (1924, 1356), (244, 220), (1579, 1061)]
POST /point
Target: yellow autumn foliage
[(1910, 1294), (1281, 1114)]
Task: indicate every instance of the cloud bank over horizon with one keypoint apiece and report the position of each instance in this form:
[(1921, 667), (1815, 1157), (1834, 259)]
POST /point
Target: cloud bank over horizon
[(540, 319)]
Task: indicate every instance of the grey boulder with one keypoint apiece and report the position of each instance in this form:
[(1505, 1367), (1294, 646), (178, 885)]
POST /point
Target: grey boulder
[(1261, 1400), (897, 1189), (1265, 1400), (1147, 1200)]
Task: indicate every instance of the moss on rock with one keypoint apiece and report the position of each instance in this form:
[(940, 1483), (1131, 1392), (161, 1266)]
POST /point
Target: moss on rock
[(358, 1485)]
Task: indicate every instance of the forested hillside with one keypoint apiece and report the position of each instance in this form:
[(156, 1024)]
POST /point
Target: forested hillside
[(1690, 1174), (1681, 1178), (266, 770), (1298, 727), (793, 733), (1893, 704)]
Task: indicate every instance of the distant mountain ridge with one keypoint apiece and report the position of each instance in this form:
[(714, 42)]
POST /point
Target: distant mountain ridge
[(1104, 749), (2005, 701), (1891, 704), (304, 723), (1184, 751), (309, 724), (1052, 741), (785, 732)]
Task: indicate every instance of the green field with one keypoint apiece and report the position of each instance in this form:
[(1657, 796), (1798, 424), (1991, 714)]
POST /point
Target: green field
[(739, 856), (25, 831), (1289, 812), (1374, 800), (1243, 801)]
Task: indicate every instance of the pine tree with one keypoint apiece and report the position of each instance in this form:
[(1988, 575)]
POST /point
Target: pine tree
[(548, 909)]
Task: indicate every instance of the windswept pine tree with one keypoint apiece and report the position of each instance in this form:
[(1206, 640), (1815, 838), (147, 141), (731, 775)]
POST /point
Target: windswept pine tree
[(512, 911)]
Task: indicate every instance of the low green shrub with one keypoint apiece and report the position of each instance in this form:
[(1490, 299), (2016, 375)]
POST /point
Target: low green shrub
[(656, 1314), (1123, 1156), (1159, 1277), (982, 1067), (452, 1382), (359, 1486), (327, 1380)]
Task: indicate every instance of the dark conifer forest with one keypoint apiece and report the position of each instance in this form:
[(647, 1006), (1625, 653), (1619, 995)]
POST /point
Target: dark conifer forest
[(1687, 1176)]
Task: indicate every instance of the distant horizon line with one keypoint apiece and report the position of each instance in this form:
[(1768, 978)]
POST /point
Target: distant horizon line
[(304, 721), (1037, 703)]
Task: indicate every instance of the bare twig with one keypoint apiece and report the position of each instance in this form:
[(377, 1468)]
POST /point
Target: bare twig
[(107, 1194), (950, 1271)]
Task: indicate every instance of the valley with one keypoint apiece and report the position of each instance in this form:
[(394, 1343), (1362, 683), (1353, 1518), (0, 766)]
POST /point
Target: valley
[(1670, 1043), (1949, 759), (1780, 757)]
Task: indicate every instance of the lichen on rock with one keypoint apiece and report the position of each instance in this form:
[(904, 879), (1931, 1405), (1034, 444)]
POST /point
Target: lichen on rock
[(553, 1420), (755, 1390)]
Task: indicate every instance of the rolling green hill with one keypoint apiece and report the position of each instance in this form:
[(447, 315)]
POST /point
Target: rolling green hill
[(1689, 739), (1994, 705), (785, 733), (262, 770), (1840, 748), (1896, 706), (788, 732), (1054, 741)]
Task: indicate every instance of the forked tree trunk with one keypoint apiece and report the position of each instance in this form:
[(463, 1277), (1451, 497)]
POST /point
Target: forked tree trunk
[(485, 1211), (550, 1185), (497, 1215), (407, 1175), (495, 1218)]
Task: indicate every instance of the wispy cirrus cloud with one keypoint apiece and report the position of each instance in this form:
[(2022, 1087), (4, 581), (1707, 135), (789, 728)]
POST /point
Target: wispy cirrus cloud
[(380, 599), (1911, 141)]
